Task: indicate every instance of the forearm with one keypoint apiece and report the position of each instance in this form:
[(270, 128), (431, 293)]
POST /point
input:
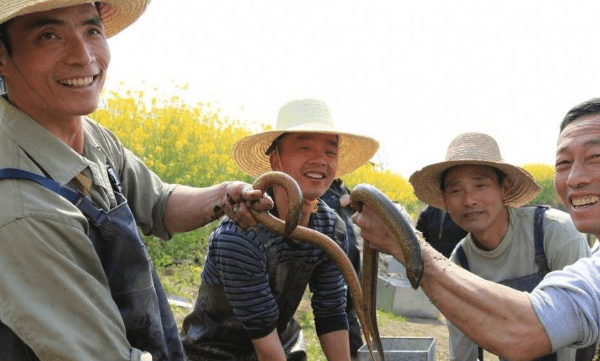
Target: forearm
[(336, 345), (496, 317), (269, 348), (190, 208)]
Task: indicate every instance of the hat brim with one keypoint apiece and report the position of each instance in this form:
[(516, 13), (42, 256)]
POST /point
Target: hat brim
[(116, 14), (353, 151), (427, 187)]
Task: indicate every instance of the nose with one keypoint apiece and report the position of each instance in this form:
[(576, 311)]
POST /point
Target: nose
[(79, 51), (579, 175), (318, 157), (469, 198)]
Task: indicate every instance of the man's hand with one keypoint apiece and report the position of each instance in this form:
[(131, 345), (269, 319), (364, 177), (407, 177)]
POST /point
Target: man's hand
[(240, 197), (376, 233)]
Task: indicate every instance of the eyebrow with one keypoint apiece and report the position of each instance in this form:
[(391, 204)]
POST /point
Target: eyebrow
[(37, 23)]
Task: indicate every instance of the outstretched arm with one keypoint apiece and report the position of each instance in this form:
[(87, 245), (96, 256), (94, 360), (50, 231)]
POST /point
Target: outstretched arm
[(189, 208), (496, 317)]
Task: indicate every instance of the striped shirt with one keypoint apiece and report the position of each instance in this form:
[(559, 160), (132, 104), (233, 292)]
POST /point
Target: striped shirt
[(237, 261)]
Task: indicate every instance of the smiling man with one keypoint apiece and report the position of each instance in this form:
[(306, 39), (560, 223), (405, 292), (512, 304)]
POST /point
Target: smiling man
[(76, 280), (253, 281), (506, 243), (564, 309)]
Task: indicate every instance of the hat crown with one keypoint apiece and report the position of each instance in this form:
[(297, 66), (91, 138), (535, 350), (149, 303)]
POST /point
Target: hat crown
[(474, 146), (305, 114)]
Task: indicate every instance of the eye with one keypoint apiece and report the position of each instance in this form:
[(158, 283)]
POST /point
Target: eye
[(96, 30), (453, 191), (48, 35), (562, 163)]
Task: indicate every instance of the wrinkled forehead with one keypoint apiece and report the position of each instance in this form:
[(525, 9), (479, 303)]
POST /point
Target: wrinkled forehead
[(582, 131)]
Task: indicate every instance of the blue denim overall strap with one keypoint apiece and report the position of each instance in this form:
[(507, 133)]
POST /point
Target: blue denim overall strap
[(132, 279), (524, 283)]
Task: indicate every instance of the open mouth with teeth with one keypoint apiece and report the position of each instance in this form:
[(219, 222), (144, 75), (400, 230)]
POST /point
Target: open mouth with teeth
[(314, 175), (584, 201), (78, 82)]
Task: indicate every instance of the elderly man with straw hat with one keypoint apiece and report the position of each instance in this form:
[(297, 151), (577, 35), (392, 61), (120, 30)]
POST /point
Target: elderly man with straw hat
[(254, 280), (506, 243), (76, 280)]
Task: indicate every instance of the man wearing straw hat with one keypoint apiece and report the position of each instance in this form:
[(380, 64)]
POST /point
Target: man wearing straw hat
[(253, 281), (506, 243), (76, 282), (564, 309)]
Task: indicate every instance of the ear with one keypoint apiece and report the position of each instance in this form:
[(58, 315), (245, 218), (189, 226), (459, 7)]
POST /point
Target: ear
[(506, 185), (275, 161), (3, 56)]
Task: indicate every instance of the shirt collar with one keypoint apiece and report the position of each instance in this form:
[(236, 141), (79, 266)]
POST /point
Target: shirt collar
[(56, 158)]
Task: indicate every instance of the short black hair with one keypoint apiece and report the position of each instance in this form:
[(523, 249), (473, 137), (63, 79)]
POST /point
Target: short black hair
[(500, 175), (588, 107)]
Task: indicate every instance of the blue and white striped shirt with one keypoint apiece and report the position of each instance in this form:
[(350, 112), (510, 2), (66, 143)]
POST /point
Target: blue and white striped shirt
[(237, 261)]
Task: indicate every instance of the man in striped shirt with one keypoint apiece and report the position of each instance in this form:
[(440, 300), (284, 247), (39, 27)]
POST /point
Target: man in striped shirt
[(253, 280)]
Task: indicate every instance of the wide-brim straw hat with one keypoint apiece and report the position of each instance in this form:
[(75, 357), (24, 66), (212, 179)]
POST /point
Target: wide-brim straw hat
[(306, 116), (474, 149), (116, 14)]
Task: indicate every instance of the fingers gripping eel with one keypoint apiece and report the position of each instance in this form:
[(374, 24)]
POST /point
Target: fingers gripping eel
[(290, 228), (401, 230), (293, 192)]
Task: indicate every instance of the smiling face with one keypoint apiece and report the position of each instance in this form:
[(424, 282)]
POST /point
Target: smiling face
[(309, 158), (58, 62), (475, 201), (577, 172)]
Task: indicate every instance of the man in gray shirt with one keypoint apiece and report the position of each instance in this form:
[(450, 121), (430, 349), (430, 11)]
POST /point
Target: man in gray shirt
[(564, 309)]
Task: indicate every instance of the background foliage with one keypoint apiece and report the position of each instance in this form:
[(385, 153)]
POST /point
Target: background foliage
[(191, 144)]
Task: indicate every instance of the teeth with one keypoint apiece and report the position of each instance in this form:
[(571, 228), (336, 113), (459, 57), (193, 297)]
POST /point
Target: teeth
[(315, 175), (78, 82), (583, 201)]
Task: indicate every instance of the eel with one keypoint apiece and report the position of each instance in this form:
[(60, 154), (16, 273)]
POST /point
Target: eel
[(402, 231), (290, 229)]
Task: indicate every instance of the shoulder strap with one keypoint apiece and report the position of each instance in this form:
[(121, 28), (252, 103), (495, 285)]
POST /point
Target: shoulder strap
[(462, 257), (51, 184), (538, 235), (85, 205)]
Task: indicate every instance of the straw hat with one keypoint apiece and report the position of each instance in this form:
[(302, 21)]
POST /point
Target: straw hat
[(476, 149), (116, 14), (307, 116)]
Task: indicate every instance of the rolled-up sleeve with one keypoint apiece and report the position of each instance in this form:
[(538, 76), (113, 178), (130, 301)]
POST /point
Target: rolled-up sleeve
[(567, 303)]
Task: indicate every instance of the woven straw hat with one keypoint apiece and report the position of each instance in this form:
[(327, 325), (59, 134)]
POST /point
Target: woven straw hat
[(307, 116), (475, 149), (116, 14)]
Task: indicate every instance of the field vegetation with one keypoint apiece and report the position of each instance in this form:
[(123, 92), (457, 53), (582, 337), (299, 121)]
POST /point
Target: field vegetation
[(190, 144)]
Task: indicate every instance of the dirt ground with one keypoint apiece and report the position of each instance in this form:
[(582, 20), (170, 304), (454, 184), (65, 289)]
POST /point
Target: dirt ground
[(423, 327)]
